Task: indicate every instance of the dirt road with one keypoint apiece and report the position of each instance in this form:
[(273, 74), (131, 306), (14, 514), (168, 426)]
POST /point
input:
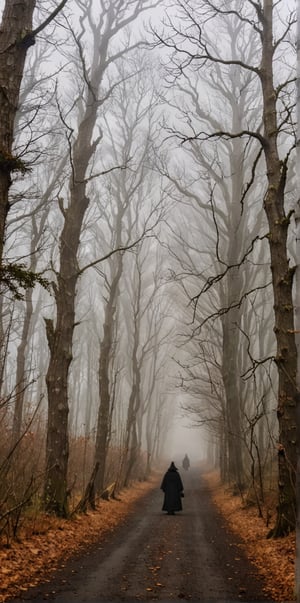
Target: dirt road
[(191, 556)]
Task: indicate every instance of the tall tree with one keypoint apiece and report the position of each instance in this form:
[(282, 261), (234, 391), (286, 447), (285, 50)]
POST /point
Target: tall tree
[(220, 242), (297, 307), (104, 27), (38, 223), (127, 197), (282, 273), (276, 140), (16, 37)]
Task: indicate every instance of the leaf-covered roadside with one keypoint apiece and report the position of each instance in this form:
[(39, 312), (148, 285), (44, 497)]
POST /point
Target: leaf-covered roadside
[(48, 542), (274, 558)]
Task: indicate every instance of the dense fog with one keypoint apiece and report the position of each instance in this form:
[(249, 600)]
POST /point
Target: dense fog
[(149, 216)]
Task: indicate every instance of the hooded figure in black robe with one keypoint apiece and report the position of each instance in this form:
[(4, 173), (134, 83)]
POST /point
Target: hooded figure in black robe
[(172, 487)]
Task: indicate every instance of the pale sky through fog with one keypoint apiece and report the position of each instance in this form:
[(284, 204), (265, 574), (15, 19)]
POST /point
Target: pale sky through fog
[(185, 440)]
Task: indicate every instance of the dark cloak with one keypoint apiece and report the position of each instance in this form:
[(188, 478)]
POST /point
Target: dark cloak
[(172, 487)]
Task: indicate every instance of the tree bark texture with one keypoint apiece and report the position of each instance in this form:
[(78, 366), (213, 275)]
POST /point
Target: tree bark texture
[(104, 414), (151, 410), (234, 288), (297, 309), (233, 411), (60, 336), (131, 445), (282, 280), (15, 40), (21, 379)]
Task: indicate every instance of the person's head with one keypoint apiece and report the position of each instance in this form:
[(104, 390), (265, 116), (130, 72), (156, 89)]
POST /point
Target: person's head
[(172, 467)]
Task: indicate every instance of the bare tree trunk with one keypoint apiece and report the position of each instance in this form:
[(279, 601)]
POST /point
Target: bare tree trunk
[(16, 36), (104, 416), (234, 286), (297, 309), (152, 418), (88, 497), (21, 380), (60, 336), (16, 23), (223, 454), (4, 341), (282, 279), (131, 445), (131, 442), (233, 411)]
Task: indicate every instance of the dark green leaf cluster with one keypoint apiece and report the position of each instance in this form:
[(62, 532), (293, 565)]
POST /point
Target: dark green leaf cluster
[(17, 278), (11, 163)]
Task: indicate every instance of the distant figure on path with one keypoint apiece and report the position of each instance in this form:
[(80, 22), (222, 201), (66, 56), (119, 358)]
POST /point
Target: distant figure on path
[(186, 463), (172, 487)]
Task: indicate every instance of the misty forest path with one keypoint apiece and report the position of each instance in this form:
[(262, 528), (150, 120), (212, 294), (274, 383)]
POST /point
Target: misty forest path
[(191, 556)]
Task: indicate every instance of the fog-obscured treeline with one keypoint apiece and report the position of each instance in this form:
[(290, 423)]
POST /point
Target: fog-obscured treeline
[(148, 246)]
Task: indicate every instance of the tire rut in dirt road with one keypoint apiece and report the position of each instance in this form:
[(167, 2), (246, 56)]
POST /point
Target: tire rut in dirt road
[(190, 556)]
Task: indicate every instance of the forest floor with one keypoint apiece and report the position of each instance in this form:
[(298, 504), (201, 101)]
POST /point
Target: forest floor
[(46, 543)]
